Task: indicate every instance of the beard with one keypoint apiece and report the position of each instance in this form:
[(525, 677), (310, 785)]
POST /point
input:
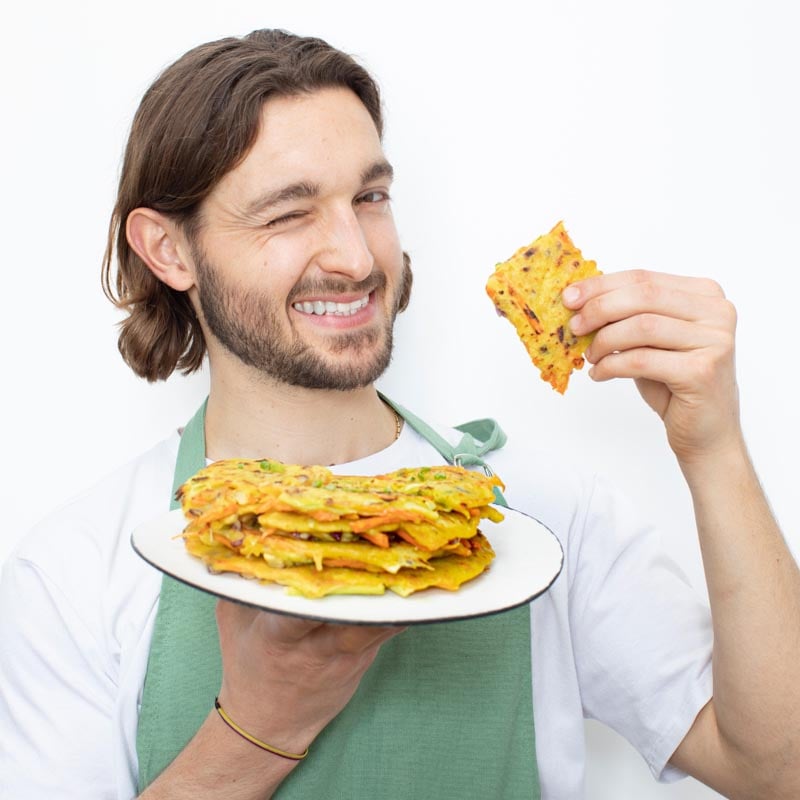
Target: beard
[(251, 326)]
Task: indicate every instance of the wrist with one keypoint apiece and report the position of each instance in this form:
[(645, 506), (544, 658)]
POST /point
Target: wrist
[(722, 478), (281, 726), (255, 760), (726, 455), (218, 763), (254, 740)]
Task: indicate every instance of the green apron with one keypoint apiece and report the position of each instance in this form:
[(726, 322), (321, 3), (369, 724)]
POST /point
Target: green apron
[(445, 711)]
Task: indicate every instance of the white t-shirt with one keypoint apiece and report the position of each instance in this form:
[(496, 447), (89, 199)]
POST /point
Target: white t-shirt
[(620, 636)]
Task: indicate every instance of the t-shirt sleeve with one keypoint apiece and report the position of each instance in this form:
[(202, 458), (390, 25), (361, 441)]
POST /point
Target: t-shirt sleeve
[(56, 693), (642, 636)]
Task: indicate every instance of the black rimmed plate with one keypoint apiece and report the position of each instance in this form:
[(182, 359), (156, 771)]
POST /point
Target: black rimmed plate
[(528, 559)]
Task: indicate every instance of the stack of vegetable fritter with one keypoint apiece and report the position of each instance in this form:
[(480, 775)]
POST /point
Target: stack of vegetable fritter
[(318, 533)]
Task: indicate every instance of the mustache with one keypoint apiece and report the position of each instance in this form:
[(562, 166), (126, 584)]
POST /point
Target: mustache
[(375, 280)]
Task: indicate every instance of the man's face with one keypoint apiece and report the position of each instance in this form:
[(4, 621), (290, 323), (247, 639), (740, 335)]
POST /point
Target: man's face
[(299, 269)]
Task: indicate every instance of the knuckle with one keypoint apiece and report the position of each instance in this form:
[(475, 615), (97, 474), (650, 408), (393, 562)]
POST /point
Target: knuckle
[(648, 324), (729, 314), (354, 641), (637, 360), (640, 275), (648, 291), (704, 370), (594, 309), (712, 287)]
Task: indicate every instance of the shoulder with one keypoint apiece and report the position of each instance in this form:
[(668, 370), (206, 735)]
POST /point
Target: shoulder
[(95, 516), (81, 550)]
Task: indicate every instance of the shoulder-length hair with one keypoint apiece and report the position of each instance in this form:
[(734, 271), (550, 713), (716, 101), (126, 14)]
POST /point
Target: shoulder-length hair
[(196, 122)]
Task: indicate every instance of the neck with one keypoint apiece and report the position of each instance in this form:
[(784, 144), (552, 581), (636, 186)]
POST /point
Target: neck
[(295, 425)]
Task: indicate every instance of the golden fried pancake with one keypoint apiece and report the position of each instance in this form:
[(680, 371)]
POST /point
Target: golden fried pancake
[(527, 290), (450, 488), (448, 572), (286, 551)]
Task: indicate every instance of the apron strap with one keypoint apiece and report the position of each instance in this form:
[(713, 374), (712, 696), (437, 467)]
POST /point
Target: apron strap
[(191, 451), (481, 436)]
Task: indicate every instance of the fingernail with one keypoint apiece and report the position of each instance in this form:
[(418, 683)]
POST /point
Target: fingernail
[(575, 323), (570, 294)]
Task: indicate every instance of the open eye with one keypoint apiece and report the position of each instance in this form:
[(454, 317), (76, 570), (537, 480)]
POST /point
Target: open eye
[(373, 196)]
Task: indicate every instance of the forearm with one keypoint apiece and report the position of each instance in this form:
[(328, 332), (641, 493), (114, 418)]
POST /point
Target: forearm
[(754, 590), (284, 679), (218, 763)]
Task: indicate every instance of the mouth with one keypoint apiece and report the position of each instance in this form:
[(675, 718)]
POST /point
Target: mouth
[(330, 308)]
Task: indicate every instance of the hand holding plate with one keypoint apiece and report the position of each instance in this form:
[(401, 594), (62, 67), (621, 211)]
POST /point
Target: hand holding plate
[(285, 678)]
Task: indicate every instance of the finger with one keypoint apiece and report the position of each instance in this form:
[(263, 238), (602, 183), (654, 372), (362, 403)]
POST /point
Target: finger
[(578, 293), (237, 617), (648, 298), (384, 634), (234, 615), (681, 372), (288, 629), (652, 330), (357, 638)]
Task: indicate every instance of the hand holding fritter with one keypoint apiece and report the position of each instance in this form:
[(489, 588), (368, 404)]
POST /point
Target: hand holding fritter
[(675, 336)]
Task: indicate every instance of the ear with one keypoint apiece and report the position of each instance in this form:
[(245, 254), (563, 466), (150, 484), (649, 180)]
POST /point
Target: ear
[(158, 241)]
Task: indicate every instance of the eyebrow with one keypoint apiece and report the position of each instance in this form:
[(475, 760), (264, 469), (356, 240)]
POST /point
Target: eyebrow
[(302, 190), (380, 169), (305, 190)]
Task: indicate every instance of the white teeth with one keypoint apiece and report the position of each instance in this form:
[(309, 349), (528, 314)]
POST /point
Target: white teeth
[(328, 307)]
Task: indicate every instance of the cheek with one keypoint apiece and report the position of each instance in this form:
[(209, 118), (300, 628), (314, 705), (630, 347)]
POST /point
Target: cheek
[(272, 266), (285, 258)]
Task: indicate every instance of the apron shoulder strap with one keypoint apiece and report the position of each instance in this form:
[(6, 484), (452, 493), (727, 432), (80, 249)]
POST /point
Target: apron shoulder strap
[(480, 436), (191, 451)]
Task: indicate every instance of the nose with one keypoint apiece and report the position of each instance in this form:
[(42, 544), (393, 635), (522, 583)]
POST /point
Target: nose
[(345, 250)]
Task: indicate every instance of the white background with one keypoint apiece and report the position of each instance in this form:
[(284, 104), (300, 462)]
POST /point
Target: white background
[(664, 134)]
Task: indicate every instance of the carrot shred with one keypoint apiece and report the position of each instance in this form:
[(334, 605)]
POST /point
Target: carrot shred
[(407, 537), (220, 539), (376, 537), (365, 523)]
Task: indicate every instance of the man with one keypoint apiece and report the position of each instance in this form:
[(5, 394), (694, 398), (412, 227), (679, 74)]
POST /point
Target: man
[(253, 223)]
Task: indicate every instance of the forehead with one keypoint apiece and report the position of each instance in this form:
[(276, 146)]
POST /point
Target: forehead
[(325, 137)]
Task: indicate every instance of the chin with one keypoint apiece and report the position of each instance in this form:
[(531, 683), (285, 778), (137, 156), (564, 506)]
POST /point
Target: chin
[(340, 371)]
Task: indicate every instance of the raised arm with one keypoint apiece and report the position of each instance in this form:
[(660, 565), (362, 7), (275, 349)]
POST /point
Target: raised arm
[(675, 337)]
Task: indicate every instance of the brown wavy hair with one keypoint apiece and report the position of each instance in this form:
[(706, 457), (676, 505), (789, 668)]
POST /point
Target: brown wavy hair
[(197, 122)]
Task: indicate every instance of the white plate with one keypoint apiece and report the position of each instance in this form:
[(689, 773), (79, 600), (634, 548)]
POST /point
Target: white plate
[(528, 560)]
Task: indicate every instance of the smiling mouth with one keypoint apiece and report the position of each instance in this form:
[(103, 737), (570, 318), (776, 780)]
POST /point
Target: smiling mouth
[(328, 308)]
